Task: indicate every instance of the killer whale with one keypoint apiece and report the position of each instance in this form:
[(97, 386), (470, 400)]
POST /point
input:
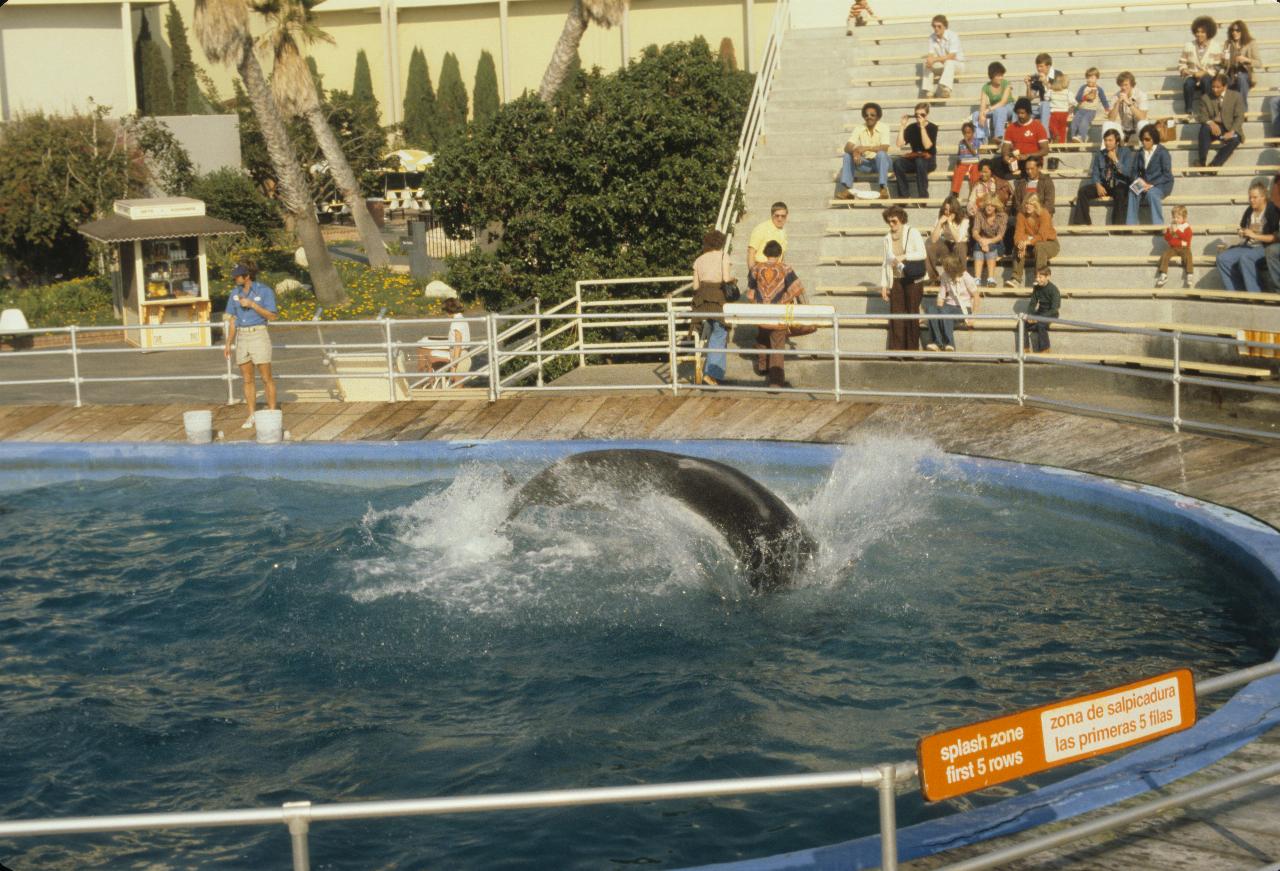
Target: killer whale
[(768, 539)]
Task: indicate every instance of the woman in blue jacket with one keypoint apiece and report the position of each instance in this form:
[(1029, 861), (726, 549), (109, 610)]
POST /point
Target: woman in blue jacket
[(1152, 166)]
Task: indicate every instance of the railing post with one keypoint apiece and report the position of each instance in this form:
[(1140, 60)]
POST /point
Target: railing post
[(671, 348), (888, 819), (1177, 381), (231, 392), (1022, 358), (75, 364), (537, 328), (391, 363), (835, 351), (582, 354), (495, 370), (297, 816)]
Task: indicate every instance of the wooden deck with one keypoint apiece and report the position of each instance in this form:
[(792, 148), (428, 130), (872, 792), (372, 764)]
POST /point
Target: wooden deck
[(1239, 830)]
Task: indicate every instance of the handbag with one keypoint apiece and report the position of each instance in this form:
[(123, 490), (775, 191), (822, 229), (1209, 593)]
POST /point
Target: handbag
[(731, 291), (912, 271)]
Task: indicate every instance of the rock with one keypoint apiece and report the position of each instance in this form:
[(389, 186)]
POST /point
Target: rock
[(289, 285), (439, 290), (300, 257)]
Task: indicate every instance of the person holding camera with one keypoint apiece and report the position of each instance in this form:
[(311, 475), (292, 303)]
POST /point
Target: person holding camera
[(251, 307), (919, 138)]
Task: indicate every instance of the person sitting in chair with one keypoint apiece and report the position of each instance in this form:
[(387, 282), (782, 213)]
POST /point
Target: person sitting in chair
[(434, 354)]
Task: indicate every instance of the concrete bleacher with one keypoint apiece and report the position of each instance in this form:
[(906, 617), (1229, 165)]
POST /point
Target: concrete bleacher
[(1106, 273)]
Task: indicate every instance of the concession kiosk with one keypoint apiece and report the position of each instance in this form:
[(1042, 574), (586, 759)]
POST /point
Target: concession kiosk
[(159, 274)]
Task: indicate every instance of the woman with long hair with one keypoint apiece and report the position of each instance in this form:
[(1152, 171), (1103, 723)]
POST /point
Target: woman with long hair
[(1239, 57)]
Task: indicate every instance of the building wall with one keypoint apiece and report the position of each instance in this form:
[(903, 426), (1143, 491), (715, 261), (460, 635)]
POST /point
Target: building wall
[(212, 141), (58, 58)]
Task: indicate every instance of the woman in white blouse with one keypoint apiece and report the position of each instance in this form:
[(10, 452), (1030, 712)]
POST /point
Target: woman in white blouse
[(1200, 61), (901, 279)]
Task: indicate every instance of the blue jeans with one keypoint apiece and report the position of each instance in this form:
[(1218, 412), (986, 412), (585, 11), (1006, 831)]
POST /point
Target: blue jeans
[(1043, 112), (1241, 84), (717, 337), (903, 168), (1240, 265), (999, 119), (1153, 198), (1273, 265), (942, 331), (1192, 88), (879, 164), (1081, 123)]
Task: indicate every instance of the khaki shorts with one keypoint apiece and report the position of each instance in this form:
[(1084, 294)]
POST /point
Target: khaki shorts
[(253, 345)]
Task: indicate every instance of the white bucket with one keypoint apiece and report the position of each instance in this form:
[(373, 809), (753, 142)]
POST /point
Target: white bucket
[(268, 425), (199, 426)]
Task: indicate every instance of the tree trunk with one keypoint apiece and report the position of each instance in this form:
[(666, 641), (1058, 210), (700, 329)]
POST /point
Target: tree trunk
[(566, 48), (345, 178), (293, 189)]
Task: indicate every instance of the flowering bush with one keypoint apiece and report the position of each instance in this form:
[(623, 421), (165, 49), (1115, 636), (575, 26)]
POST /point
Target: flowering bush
[(84, 302), (371, 291)]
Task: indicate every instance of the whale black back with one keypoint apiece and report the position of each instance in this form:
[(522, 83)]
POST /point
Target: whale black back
[(766, 536)]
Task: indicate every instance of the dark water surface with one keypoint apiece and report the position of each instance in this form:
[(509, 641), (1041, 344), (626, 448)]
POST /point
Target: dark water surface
[(186, 645)]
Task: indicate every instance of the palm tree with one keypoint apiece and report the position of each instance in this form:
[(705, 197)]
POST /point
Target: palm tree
[(295, 93), (222, 27), (605, 13)]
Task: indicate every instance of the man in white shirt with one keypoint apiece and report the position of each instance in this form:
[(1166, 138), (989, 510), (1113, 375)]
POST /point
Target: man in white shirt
[(945, 59)]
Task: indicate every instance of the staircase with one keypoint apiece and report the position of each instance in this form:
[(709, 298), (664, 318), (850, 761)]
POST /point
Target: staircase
[(1106, 273)]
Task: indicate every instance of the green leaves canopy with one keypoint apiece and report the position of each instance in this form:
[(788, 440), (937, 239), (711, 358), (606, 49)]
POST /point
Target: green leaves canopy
[(620, 176)]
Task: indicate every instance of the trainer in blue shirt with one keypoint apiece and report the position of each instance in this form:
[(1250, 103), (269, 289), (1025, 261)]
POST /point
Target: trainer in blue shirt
[(251, 307)]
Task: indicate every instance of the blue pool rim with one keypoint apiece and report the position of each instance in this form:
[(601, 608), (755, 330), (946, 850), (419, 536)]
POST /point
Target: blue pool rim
[(1251, 712)]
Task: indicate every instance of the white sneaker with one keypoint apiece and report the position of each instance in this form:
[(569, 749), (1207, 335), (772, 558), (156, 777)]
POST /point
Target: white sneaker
[(932, 347), (1189, 280), (1161, 279), (949, 348)]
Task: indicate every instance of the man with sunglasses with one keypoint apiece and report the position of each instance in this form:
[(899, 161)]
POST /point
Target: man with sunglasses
[(919, 139), (867, 150)]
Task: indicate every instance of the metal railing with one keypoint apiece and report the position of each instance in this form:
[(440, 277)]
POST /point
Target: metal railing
[(753, 123), (298, 816), (509, 354)]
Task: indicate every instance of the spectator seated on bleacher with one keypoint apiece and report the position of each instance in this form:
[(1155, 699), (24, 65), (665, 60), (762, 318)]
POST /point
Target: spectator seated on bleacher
[(1035, 231), (1178, 237), (1108, 177), (1151, 167), (1242, 263), (1131, 106), (1239, 57), (918, 137), (1200, 61), (989, 227), (1033, 184), (1090, 99), (950, 235), (1047, 89), (1045, 302), (1023, 138), (989, 186), (867, 150), (1221, 117), (968, 156), (860, 14), (995, 102), (944, 59)]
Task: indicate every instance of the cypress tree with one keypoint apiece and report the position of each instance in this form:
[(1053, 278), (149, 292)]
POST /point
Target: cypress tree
[(419, 104), (154, 94), (362, 88), (451, 99), (186, 91), (484, 96)]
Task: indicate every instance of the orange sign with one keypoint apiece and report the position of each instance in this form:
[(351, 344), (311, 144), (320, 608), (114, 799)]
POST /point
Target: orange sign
[(1006, 748)]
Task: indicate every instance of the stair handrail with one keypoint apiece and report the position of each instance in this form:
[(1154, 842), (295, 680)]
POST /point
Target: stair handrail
[(753, 123)]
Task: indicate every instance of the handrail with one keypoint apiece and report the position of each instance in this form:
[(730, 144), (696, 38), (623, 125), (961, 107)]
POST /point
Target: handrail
[(884, 777), (753, 122)]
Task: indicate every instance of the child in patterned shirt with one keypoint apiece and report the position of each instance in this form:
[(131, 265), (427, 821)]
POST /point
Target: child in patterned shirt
[(859, 14), (1089, 100)]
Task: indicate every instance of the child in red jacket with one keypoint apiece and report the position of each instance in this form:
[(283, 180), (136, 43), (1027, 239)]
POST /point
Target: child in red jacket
[(1178, 235)]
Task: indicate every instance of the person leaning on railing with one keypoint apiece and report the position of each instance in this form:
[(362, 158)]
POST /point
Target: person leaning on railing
[(712, 288), (251, 307), (773, 282)]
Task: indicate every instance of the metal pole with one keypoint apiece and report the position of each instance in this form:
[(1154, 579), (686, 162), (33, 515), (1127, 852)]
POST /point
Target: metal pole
[(296, 815), (577, 296), (391, 363), (835, 352), (671, 349), (231, 393), (1177, 381), (1022, 359), (888, 819), (75, 364), (495, 370), (537, 327)]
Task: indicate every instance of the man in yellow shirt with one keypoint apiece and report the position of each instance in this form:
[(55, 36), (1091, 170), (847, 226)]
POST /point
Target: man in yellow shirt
[(867, 150), (773, 229)]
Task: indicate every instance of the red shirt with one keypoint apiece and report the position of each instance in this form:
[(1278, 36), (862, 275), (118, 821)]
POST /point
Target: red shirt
[(1026, 138), (1178, 238)]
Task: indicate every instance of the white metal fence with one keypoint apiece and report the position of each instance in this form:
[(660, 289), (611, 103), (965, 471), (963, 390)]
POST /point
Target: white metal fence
[(522, 350), (299, 816)]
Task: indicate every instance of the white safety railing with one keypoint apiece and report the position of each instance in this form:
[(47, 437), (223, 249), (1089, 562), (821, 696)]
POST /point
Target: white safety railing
[(299, 816), (510, 353), (753, 123)]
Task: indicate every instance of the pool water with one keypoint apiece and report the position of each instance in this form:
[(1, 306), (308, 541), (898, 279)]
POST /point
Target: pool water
[(171, 644)]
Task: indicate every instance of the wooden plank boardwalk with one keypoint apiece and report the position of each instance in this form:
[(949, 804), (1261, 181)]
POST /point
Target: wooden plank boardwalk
[(1238, 830)]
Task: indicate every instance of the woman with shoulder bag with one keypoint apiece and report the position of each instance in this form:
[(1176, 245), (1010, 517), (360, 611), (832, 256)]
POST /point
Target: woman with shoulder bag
[(713, 286), (901, 279)]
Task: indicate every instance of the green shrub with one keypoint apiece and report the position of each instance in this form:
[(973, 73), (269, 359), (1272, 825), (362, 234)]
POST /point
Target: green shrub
[(232, 196), (81, 301)]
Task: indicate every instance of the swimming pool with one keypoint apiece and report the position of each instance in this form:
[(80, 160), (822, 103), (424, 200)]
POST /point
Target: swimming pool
[(235, 626)]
